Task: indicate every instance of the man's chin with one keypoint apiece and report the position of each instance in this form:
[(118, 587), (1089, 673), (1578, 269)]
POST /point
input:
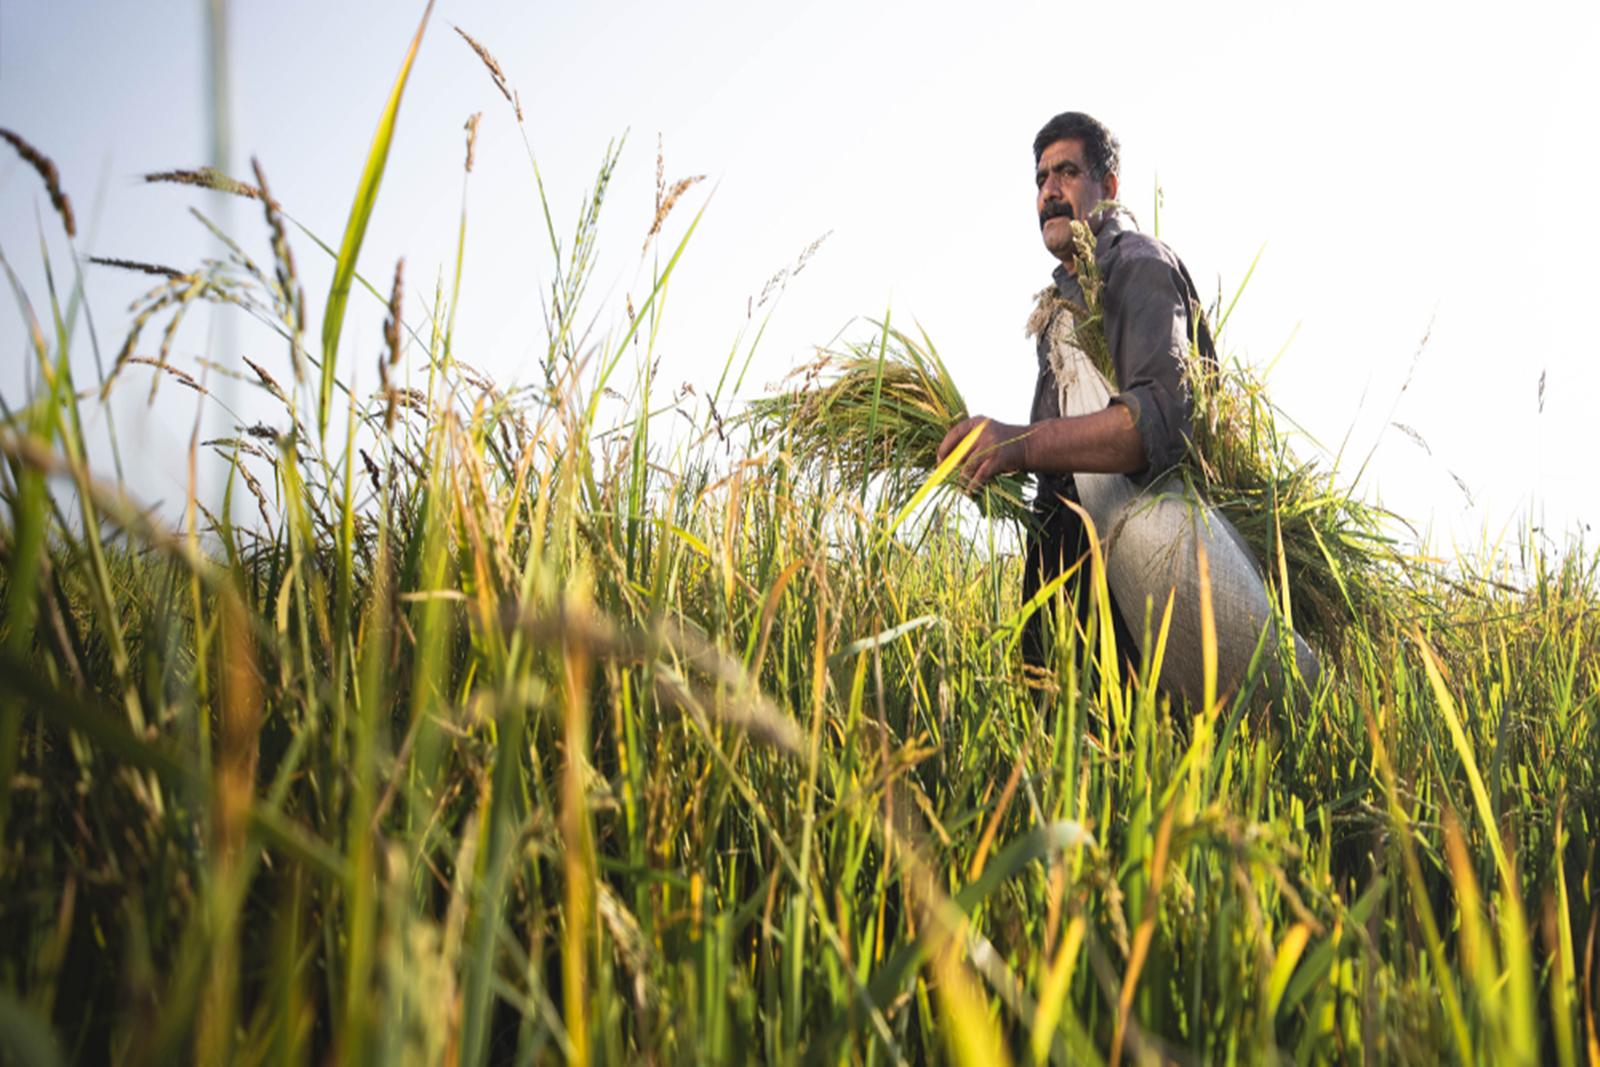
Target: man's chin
[(1057, 233), (1058, 240)]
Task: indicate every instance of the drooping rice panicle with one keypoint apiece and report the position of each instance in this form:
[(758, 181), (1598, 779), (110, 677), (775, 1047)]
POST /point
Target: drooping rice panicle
[(135, 265), (666, 198), (493, 66), (206, 178), (472, 136), (52, 178)]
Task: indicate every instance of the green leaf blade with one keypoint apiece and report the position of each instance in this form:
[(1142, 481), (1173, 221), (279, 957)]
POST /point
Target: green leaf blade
[(355, 231)]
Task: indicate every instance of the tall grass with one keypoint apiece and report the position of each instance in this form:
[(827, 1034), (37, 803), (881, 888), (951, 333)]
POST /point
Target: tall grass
[(500, 734)]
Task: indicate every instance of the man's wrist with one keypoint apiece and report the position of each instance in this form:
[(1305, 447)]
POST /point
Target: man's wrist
[(1018, 454)]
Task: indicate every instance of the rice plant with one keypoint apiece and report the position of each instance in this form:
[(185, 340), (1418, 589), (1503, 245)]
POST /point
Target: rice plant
[(498, 734)]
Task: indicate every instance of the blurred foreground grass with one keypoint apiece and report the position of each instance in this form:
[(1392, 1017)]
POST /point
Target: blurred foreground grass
[(499, 733)]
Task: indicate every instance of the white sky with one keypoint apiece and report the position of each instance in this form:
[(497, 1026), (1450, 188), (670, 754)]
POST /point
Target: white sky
[(1403, 165)]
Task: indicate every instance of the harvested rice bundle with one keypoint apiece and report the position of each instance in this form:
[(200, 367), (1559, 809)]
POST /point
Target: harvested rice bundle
[(1329, 546), (877, 412)]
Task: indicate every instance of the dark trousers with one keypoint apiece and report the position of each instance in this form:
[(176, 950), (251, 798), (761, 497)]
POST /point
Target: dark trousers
[(1056, 541)]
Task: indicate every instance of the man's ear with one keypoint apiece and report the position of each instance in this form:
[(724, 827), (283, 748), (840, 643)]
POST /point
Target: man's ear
[(1109, 185)]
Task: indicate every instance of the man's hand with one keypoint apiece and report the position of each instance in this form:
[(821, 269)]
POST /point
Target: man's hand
[(998, 450), (1102, 443)]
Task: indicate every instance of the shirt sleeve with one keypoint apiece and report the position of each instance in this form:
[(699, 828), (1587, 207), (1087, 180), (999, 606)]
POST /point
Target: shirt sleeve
[(1147, 331)]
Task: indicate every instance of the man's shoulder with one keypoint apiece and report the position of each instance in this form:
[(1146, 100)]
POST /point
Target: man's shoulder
[(1131, 246)]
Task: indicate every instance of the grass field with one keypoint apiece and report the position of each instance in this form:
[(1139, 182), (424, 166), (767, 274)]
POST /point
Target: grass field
[(509, 728)]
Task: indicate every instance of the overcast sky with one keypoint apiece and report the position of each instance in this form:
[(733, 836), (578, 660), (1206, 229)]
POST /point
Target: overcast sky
[(1411, 170)]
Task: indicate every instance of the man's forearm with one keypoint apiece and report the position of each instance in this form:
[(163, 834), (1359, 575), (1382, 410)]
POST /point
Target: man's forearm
[(1102, 443)]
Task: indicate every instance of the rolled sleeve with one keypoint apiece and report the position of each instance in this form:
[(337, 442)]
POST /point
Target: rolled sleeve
[(1146, 308)]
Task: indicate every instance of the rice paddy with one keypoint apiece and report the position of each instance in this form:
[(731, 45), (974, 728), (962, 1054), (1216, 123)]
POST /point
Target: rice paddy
[(492, 732)]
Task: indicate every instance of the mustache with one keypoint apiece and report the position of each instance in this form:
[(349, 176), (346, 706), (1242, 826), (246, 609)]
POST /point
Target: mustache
[(1054, 210)]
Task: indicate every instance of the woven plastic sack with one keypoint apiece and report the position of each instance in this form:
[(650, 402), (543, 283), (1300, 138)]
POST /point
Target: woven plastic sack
[(1152, 540)]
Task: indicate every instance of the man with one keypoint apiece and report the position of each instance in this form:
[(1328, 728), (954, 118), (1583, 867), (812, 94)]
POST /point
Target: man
[(1151, 315)]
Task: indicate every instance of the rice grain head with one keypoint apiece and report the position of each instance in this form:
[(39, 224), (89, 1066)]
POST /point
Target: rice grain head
[(495, 72), (135, 265), (207, 178), (665, 198), (391, 337), (288, 278), (472, 136), (52, 178)]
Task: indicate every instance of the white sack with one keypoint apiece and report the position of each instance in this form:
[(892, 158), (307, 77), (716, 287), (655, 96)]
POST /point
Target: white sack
[(1152, 539)]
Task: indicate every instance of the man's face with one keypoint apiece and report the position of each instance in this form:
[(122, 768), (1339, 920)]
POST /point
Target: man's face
[(1067, 192)]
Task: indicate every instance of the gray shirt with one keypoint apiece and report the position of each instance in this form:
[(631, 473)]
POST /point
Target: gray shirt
[(1152, 313)]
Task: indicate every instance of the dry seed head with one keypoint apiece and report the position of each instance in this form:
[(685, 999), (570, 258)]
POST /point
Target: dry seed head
[(664, 208), (494, 69), (143, 268), (776, 282), (52, 179), (661, 183), (779, 281), (183, 377), (287, 276), (811, 250), (665, 198), (292, 295), (472, 137), (246, 447), (391, 325), (391, 328), (372, 471), (266, 379), (255, 490), (1416, 438), (207, 178)]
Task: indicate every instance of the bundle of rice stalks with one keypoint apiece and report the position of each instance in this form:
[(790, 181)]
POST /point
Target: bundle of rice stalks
[(1317, 538), (876, 413)]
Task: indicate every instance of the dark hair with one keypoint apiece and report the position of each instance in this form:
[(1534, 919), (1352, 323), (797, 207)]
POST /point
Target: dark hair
[(1100, 147)]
